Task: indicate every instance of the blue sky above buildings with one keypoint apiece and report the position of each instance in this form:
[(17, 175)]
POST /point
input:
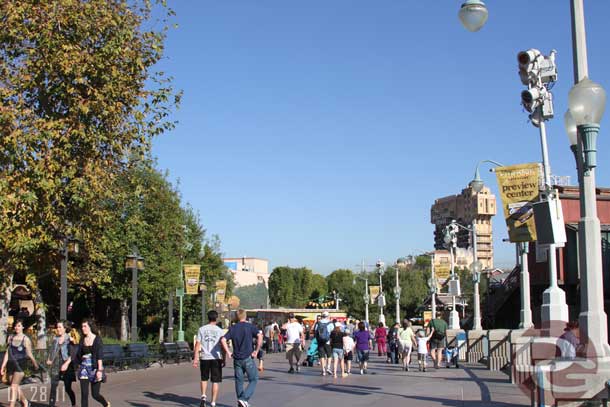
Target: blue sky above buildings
[(319, 133)]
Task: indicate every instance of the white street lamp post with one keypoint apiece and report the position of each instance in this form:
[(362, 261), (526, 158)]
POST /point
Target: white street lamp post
[(587, 101), (476, 276), (381, 300)]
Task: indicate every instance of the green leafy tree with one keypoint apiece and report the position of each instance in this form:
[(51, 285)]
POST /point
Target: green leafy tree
[(252, 296), (79, 97)]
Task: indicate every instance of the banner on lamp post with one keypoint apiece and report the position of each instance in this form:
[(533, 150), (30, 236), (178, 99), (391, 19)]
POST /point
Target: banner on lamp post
[(221, 291), (374, 292), (519, 187), (191, 278)]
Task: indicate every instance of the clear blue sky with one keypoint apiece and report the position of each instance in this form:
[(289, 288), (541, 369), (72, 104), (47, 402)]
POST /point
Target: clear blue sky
[(317, 133)]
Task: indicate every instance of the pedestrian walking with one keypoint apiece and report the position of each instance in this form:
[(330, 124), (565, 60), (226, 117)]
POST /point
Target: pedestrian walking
[(336, 343), (380, 337), (91, 370), (18, 353), (348, 350), (241, 335), (323, 329), (392, 344), (406, 340), (209, 357), (438, 329), (295, 339), (363, 346), (60, 363), (422, 348)]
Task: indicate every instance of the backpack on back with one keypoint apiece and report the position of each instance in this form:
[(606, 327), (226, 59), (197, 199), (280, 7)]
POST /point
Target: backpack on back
[(322, 331)]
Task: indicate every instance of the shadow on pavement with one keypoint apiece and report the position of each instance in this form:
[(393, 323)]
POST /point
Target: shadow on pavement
[(170, 398)]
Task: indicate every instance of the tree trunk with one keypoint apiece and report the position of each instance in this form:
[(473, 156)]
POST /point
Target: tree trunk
[(124, 320), (5, 302), (41, 339)]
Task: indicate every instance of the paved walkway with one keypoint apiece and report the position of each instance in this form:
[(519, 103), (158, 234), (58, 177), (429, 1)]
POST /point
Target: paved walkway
[(177, 385)]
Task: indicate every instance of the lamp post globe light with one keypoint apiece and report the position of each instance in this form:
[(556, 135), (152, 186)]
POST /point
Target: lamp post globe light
[(400, 262), (473, 15), (134, 263), (587, 101), (454, 283)]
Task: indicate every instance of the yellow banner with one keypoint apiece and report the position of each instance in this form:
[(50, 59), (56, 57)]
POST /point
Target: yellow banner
[(221, 291), (519, 187), (442, 271), (191, 278), (427, 317), (374, 293)]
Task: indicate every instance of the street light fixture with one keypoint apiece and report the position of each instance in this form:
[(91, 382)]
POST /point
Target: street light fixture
[(587, 101), (477, 183), (135, 263), (454, 283), (473, 15), (366, 296)]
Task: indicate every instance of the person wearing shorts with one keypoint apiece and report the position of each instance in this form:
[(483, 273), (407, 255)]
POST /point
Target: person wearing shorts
[(348, 351), (406, 338), (295, 338), (211, 357), (323, 329), (437, 328), (363, 341), (336, 342)]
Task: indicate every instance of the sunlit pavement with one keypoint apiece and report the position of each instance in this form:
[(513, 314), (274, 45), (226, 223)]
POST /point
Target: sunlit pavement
[(177, 385)]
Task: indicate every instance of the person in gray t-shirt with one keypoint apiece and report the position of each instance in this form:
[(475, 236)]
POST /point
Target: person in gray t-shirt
[(209, 356)]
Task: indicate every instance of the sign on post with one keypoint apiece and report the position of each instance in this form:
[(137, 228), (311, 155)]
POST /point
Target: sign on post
[(519, 187), (191, 278), (221, 290), (373, 293)]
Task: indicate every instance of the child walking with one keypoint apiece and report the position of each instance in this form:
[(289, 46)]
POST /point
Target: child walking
[(422, 348)]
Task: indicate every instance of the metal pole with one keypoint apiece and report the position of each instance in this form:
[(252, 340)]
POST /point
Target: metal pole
[(203, 316), (63, 301), (397, 297), (554, 307), (134, 304), (477, 299), (433, 288), (170, 318), (454, 319), (180, 331), (592, 318), (579, 41), (366, 298), (526, 308)]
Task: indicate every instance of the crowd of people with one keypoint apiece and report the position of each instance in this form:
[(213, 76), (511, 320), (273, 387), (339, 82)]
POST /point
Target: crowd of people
[(73, 356), (333, 345)]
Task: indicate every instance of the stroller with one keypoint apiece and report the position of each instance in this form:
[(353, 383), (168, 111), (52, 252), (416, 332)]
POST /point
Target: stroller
[(312, 354), (452, 356)]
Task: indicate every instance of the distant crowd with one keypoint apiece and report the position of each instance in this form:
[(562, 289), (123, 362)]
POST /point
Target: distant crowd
[(333, 345)]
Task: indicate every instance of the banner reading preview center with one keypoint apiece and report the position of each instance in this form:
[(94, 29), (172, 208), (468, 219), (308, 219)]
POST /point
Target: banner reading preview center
[(519, 187)]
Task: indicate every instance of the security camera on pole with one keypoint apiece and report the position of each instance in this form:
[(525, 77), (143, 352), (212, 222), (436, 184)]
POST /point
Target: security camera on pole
[(539, 72), (451, 231)]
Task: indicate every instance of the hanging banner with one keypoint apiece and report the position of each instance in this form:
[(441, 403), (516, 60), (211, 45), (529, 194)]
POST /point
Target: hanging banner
[(442, 271), (519, 187), (373, 293), (221, 290), (191, 278)]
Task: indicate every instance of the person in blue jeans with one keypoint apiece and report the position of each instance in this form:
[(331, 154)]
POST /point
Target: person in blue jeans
[(244, 352)]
